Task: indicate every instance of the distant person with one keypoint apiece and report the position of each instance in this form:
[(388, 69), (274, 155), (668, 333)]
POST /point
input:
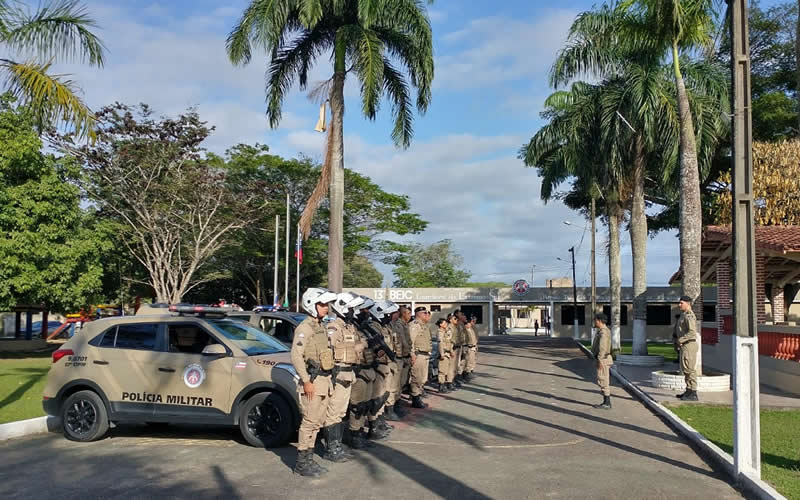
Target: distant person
[(601, 348), (536, 328), (687, 340)]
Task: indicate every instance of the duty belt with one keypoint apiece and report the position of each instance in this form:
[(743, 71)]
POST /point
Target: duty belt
[(456, 346), (405, 357), (344, 368), (448, 352), (426, 353), (470, 345)]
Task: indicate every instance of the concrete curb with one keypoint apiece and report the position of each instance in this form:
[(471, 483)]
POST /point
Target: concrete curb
[(28, 427), (756, 488)]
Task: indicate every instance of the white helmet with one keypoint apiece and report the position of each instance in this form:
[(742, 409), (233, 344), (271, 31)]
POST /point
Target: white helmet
[(368, 302), (314, 296), (346, 302), (382, 308)]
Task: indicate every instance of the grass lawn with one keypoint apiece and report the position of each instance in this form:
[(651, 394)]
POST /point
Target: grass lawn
[(780, 441), (21, 384), (665, 350)]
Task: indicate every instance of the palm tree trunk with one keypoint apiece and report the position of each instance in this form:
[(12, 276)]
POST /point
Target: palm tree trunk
[(691, 215), (336, 229), (614, 273), (638, 231)]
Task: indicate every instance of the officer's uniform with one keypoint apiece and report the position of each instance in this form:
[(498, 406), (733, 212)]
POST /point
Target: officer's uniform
[(688, 341), (402, 349), (470, 350), (389, 369), (601, 348), (310, 345), (343, 339), (445, 355), (421, 345), (458, 340), (361, 392), (383, 376)]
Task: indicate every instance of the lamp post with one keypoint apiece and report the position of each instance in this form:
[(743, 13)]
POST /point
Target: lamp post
[(575, 328)]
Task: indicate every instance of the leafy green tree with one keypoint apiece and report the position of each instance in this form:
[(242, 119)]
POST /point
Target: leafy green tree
[(433, 266), (378, 41), (359, 272), (50, 250), (58, 30)]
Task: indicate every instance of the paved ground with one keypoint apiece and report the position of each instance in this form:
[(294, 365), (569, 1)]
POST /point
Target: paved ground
[(769, 397), (523, 429)]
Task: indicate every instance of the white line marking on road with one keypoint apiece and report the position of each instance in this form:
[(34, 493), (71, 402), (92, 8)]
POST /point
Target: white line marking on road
[(497, 446)]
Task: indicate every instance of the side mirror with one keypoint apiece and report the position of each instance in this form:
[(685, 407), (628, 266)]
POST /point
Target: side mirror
[(215, 350)]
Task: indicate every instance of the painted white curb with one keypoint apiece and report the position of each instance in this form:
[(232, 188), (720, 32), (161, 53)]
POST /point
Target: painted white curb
[(755, 487), (22, 428)]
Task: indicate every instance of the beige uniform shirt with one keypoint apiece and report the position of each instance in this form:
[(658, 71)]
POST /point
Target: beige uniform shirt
[(472, 337), (402, 338), (446, 342), (687, 327), (601, 347), (310, 339), (420, 337)]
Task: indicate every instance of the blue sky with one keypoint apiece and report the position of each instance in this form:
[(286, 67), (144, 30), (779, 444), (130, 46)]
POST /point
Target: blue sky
[(461, 171)]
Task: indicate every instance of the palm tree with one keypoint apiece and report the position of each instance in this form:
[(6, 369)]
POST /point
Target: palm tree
[(59, 30), (389, 46)]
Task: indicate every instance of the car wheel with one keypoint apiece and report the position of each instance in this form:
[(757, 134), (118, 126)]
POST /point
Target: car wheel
[(84, 417), (266, 420)]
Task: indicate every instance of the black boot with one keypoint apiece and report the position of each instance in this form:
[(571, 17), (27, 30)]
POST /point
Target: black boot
[(357, 440), (399, 410), (691, 395), (467, 377), (375, 431), (457, 381), (680, 396), (390, 414), (605, 405), (450, 387), (333, 445), (442, 389), (344, 449), (416, 402), (305, 465), (383, 425)]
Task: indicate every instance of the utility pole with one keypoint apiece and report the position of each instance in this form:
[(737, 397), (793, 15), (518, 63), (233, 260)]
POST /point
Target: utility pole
[(533, 270), (288, 234), (594, 276), (275, 269), (746, 424), (575, 332)]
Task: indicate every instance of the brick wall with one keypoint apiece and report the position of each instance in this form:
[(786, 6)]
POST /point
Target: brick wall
[(723, 294), (760, 293), (778, 307)]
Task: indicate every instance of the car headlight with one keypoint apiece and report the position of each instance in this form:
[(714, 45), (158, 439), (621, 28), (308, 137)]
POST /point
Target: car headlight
[(289, 368)]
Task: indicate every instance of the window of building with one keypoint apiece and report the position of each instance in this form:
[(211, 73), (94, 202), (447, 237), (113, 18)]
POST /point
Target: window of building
[(189, 338), (659, 315), (436, 308), (710, 313), (623, 314), (568, 315), (141, 336), (471, 311)]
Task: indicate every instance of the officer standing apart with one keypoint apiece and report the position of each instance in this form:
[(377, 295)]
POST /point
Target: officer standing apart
[(311, 350), (445, 352), (601, 348), (421, 345), (458, 338), (470, 350), (400, 329), (452, 327), (688, 343)]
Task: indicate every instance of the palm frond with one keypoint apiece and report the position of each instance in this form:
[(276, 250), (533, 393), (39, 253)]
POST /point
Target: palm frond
[(398, 92), (367, 57), (53, 99), (264, 23), (58, 30)]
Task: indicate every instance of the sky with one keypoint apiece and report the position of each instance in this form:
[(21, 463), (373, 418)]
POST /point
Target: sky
[(461, 171)]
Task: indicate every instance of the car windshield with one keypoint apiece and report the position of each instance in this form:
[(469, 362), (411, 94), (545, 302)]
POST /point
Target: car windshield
[(300, 317), (250, 340)]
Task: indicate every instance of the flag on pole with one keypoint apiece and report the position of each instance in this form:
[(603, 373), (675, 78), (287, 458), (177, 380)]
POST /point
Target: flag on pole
[(298, 248)]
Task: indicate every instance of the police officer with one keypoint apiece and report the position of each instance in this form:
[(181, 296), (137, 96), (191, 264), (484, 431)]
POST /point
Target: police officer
[(346, 344), (688, 343), (459, 339), (378, 429), (445, 354), (381, 312), (601, 348), (402, 336), (421, 345), (470, 349), (361, 393), (452, 327), (311, 350)]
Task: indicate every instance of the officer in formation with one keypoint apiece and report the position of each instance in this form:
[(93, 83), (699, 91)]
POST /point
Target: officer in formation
[(421, 346), (402, 348), (601, 348), (688, 342), (470, 350), (445, 355)]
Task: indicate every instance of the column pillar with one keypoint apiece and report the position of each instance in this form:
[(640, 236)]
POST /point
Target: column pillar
[(778, 307), (723, 294)]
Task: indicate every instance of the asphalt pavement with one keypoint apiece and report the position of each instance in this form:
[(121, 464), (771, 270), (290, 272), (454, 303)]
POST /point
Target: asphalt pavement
[(524, 428)]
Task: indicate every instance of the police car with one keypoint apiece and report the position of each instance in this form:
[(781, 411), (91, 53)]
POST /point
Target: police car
[(276, 322), (188, 364)]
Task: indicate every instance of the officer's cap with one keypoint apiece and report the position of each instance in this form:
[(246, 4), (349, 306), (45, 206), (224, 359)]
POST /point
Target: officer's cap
[(686, 298), (602, 317), (420, 309)]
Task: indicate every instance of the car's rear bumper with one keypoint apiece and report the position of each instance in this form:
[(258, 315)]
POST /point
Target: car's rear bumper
[(50, 406)]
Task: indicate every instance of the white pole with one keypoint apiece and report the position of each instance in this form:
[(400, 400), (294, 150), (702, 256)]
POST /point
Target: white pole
[(297, 278), (275, 270), (288, 235)]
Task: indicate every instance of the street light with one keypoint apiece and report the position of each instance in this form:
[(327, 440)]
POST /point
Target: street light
[(594, 273), (575, 331)]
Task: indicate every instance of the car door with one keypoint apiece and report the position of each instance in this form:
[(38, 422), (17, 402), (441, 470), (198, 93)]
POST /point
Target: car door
[(122, 366), (197, 386)]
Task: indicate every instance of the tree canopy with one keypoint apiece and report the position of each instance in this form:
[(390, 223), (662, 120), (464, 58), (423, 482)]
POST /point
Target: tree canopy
[(433, 266)]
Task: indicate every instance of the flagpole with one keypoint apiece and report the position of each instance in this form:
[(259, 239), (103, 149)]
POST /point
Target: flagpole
[(288, 235), (275, 270), (299, 242)]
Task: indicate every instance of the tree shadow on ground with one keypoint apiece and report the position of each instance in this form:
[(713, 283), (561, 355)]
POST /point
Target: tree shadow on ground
[(36, 374), (597, 391), (534, 372), (462, 428)]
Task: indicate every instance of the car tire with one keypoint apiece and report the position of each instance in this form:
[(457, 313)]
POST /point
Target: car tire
[(265, 420), (84, 417)]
